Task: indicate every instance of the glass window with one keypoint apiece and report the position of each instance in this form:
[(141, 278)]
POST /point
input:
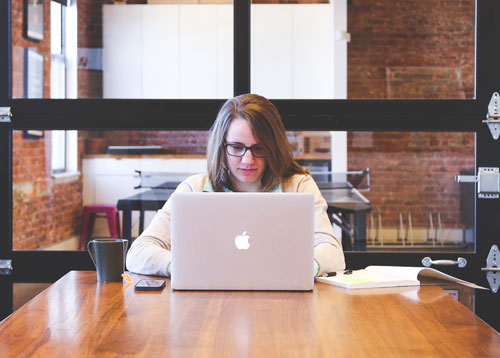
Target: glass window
[(57, 50), (415, 201), (351, 49), (58, 151), (394, 191), (385, 190), (309, 49), (295, 50), (56, 27), (64, 152), (155, 51), (48, 209), (130, 50)]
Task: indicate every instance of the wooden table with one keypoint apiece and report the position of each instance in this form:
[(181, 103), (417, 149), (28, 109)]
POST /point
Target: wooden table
[(78, 317)]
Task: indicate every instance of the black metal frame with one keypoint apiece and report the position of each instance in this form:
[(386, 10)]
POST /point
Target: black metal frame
[(6, 297), (356, 115), (241, 46), (359, 115), (487, 149)]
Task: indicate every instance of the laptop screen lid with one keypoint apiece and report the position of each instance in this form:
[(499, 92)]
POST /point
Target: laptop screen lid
[(242, 241)]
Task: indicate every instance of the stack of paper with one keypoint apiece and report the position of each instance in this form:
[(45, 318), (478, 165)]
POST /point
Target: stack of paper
[(389, 276)]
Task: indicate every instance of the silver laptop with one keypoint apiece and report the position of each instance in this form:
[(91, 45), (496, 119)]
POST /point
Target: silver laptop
[(242, 241)]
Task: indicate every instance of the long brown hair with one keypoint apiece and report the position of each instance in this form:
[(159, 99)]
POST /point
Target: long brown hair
[(267, 127)]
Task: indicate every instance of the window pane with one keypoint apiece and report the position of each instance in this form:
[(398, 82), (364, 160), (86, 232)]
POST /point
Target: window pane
[(57, 77), (411, 49), (55, 28), (294, 51), (394, 191), (48, 211), (415, 202), (157, 51), (363, 49), (58, 151), (388, 191), (323, 49), (135, 50)]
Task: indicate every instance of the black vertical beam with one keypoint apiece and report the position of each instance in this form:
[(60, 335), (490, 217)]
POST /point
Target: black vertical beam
[(241, 46), (6, 297), (487, 149), (5, 50)]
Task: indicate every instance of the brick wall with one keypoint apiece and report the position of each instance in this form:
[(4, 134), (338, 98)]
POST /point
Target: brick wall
[(45, 211), (179, 142), (19, 42), (428, 42), (413, 172), (412, 49)]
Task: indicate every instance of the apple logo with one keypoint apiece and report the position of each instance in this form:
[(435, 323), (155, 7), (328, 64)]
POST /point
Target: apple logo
[(241, 241)]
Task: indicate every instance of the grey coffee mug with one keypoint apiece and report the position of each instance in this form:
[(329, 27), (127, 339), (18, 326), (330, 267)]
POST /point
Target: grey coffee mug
[(108, 256)]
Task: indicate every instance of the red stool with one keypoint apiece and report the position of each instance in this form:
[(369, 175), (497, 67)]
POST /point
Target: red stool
[(89, 214)]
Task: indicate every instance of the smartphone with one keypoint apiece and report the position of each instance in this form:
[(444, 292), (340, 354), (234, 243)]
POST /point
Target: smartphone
[(150, 285)]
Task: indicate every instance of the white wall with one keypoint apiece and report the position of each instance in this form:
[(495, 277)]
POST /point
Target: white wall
[(341, 38)]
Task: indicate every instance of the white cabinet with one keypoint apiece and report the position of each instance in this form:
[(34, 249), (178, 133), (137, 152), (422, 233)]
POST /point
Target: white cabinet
[(122, 67), (107, 180), (293, 51), (158, 46), (312, 52), (271, 51), (167, 51), (197, 51), (186, 50)]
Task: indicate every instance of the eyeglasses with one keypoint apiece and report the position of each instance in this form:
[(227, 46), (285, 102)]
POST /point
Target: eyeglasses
[(239, 150)]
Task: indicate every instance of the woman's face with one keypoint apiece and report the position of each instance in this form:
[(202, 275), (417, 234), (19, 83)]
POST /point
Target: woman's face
[(245, 172)]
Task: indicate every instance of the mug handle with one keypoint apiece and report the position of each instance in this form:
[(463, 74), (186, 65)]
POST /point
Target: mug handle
[(125, 247), (90, 249)]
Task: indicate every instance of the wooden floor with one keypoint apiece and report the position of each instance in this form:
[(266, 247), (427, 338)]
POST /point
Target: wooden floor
[(23, 292)]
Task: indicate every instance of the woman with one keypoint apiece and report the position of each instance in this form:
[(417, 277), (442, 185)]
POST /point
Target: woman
[(248, 151)]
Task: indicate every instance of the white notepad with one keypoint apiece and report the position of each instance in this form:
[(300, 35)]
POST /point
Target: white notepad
[(389, 276)]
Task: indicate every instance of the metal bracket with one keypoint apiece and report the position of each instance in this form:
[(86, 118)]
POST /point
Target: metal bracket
[(5, 114), (5, 267), (492, 269), (488, 180), (493, 116)]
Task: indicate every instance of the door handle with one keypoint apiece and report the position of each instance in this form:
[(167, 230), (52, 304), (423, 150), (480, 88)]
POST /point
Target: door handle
[(460, 262)]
